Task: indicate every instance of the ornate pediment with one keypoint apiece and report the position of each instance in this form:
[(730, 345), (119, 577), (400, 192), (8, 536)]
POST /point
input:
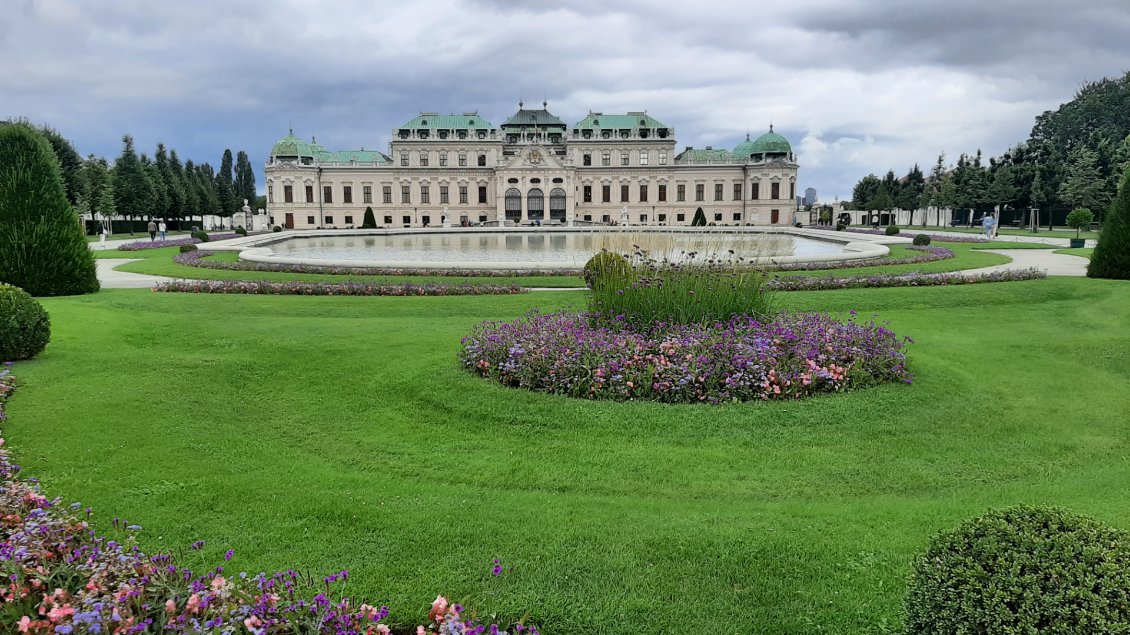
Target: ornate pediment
[(534, 158)]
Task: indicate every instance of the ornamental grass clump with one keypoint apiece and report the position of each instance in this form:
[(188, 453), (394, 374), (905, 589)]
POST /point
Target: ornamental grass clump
[(792, 356)]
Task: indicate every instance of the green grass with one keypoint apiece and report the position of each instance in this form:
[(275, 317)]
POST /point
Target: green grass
[(324, 433), (1082, 252), (134, 236), (1062, 232)]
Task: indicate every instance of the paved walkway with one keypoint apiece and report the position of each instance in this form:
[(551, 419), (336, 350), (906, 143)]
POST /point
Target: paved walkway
[(1008, 238), (111, 279), (1055, 264)]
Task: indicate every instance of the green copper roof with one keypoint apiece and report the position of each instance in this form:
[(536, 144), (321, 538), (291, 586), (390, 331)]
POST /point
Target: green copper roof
[(432, 121), (745, 148), (631, 120), (291, 146), (541, 118), (692, 155), (770, 142)]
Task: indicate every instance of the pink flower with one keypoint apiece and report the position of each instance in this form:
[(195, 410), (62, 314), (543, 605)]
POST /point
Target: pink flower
[(25, 623), (170, 606), (218, 582)]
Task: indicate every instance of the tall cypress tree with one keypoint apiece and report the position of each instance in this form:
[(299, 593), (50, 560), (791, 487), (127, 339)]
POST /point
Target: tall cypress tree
[(191, 192), (97, 192), (1112, 255), (133, 192), (244, 179), (42, 248), (70, 162), (225, 186), (160, 194)]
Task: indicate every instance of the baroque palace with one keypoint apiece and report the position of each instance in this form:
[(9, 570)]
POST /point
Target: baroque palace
[(533, 169)]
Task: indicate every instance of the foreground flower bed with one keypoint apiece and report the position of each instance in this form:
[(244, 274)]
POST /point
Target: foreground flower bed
[(139, 245), (888, 280), (263, 287), (61, 578), (793, 356), (200, 259)]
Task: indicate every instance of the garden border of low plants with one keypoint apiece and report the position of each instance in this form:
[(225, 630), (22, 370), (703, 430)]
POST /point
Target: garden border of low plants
[(266, 287)]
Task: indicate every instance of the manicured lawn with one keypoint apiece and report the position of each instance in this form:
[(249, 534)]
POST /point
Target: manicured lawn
[(1062, 232), (134, 236), (327, 433), (1082, 252)]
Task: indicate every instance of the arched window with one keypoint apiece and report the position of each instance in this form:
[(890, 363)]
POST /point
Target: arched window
[(513, 204), (557, 204), (535, 204)]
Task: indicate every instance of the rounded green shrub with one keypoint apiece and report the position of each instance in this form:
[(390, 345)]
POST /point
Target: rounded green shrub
[(840, 227), (201, 236), (276, 229), (606, 268), (187, 248), (892, 230), (1023, 569), (241, 231), (921, 240), (24, 326), (42, 248)]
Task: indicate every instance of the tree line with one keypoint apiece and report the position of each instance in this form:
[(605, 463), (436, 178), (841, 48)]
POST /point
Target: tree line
[(1074, 158), (158, 187)]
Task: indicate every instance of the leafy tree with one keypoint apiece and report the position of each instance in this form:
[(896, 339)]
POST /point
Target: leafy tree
[(1112, 255), (1003, 189), (911, 191), (42, 248), (133, 191), (864, 192), (70, 162), (1083, 184), (97, 190), (1080, 219)]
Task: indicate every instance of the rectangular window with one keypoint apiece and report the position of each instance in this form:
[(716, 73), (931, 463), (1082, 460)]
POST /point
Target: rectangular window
[(463, 194), (737, 191), (443, 159), (586, 159), (680, 192), (347, 194), (407, 220), (587, 194), (623, 193), (405, 194), (425, 194), (443, 194), (605, 193), (270, 194), (482, 160), (681, 218), (643, 193), (404, 159), (386, 193), (606, 158), (462, 160), (699, 192), (424, 159), (775, 191), (624, 158), (309, 193), (388, 220), (643, 158), (309, 220), (348, 220), (288, 193), (662, 158), (327, 194), (367, 193), (737, 216), (662, 218), (482, 194), (643, 218), (718, 217), (792, 191), (662, 193), (329, 220), (717, 191), (754, 191)]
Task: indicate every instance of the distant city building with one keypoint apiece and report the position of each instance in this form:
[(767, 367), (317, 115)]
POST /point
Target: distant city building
[(810, 196), (532, 169)]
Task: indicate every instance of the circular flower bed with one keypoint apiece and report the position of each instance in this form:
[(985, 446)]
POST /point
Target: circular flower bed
[(793, 356)]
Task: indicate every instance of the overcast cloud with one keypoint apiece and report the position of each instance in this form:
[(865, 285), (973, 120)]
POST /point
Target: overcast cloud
[(858, 86)]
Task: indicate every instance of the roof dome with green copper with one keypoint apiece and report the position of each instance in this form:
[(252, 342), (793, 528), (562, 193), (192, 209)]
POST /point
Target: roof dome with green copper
[(745, 148), (768, 143), (291, 146)]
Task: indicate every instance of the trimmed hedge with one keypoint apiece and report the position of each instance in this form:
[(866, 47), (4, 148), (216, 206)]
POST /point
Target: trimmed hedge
[(1023, 569), (202, 236), (922, 240), (892, 230), (42, 248), (25, 327)]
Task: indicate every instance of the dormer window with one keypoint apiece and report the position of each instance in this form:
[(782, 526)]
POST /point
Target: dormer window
[(462, 134), (423, 122), (442, 134), (596, 122)]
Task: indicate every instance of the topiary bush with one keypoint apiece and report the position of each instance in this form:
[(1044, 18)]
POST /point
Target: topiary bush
[(922, 240), (370, 221), (606, 268), (892, 230), (276, 229), (201, 236), (42, 247), (1112, 254), (840, 227), (241, 231), (187, 248), (24, 326), (1023, 569)]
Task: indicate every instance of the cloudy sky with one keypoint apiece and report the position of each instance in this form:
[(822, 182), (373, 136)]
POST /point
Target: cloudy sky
[(858, 86)]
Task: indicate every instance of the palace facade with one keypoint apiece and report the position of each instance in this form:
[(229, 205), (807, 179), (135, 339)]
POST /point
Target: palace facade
[(461, 169)]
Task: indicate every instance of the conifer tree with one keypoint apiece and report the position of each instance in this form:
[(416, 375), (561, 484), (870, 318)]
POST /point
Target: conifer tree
[(1112, 255)]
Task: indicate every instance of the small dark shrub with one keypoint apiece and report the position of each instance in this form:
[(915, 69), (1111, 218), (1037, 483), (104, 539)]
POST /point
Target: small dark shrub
[(1023, 570), (201, 236), (276, 228), (370, 221), (606, 268), (187, 248), (798, 224), (840, 227), (922, 240), (24, 326), (241, 231), (892, 230)]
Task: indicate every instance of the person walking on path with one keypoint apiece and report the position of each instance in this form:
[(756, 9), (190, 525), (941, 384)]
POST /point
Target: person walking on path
[(161, 228), (152, 227), (988, 224)]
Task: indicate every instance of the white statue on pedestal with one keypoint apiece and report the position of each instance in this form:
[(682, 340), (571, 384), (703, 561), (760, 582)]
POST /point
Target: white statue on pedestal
[(444, 219), (624, 216)]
